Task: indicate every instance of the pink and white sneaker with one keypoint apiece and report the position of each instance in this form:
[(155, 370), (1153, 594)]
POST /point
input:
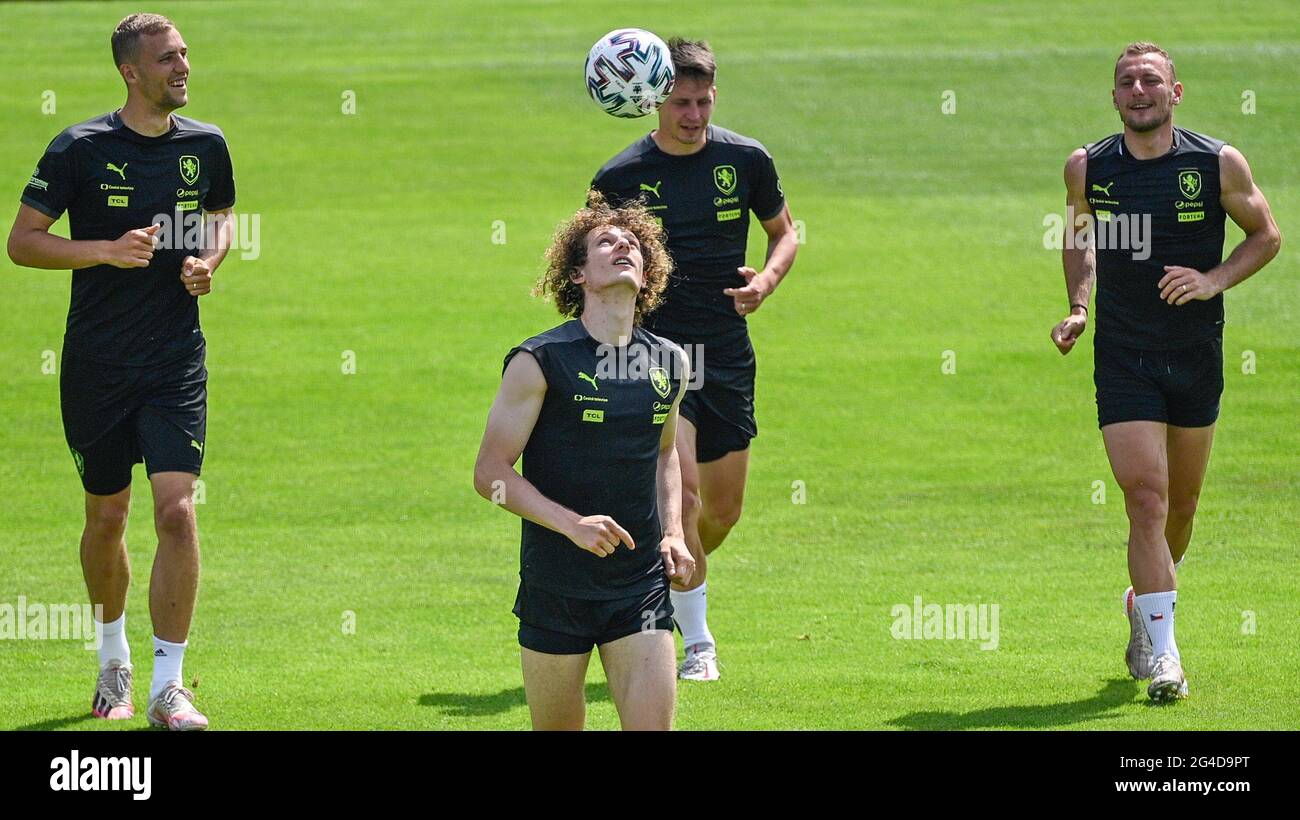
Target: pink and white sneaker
[(112, 699), (701, 663), (174, 709), (1138, 653)]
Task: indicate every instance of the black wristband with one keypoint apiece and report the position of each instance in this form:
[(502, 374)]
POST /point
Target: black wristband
[(1077, 305)]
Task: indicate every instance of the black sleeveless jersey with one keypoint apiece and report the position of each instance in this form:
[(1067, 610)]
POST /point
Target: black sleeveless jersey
[(595, 450), (1172, 203), (703, 201)]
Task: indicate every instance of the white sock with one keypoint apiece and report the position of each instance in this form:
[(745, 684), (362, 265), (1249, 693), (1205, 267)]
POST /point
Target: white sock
[(690, 611), (113, 641), (1157, 610), (167, 660)]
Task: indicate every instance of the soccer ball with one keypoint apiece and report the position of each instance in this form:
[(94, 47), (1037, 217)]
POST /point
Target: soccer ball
[(629, 72)]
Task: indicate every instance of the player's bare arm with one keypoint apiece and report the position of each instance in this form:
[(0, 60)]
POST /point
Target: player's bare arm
[(510, 423), (668, 480), (196, 271), (782, 245), (1244, 202), (1080, 263), (31, 245)]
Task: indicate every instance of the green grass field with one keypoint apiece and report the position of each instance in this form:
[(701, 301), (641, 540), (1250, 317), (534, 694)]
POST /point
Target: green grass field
[(329, 493)]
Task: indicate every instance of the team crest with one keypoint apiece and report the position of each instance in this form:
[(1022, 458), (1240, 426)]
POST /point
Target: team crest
[(1189, 183), (659, 381), (724, 176), (190, 169)]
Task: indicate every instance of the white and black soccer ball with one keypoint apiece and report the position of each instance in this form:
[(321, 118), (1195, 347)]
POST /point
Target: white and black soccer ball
[(629, 72)]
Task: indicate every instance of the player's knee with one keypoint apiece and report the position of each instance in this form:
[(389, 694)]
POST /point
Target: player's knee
[(691, 503), (1146, 504), (724, 514), (175, 517), (106, 522)]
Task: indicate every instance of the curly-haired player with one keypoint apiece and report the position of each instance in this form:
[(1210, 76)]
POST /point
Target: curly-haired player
[(592, 408)]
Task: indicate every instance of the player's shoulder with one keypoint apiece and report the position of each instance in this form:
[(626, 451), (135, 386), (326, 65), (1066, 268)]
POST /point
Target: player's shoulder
[(658, 343), (733, 141), (630, 156), (1194, 142), (188, 127), (70, 136), (570, 331), (1107, 147)]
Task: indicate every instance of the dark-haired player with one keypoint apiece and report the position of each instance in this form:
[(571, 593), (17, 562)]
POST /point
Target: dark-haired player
[(133, 385), (703, 182)]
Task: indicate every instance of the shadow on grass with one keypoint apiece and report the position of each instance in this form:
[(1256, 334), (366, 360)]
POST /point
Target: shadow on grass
[(57, 723), (1116, 693), (471, 704)]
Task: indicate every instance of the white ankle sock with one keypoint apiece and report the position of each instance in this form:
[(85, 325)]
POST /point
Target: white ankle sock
[(113, 641), (1157, 610), (167, 660), (690, 611)]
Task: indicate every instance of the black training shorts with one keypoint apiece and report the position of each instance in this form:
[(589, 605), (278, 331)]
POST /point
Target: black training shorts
[(1178, 387), (559, 625), (117, 416)]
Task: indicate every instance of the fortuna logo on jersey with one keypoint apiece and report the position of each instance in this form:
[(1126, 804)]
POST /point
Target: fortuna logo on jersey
[(189, 169), (724, 176)]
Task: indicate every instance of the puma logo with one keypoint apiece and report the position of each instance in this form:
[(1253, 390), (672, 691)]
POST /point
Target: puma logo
[(592, 379), (197, 446), (119, 171), (1105, 190), (655, 189)]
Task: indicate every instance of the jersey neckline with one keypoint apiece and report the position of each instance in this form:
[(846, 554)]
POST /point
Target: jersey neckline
[(1174, 144), (708, 143), (118, 124)]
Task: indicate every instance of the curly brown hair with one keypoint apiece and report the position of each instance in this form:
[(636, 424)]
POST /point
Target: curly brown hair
[(568, 253)]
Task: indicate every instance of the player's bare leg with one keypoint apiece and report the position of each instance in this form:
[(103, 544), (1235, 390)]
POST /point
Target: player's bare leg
[(690, 601), (1139, 459), (173, 588), (554, 686), (103, 552), (174, 585), (691, 504), (1189, 455), (722, 495), (642, 679), (107, 571)]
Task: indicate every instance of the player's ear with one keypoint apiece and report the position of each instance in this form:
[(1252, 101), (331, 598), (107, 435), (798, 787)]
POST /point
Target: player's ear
[(576, 276), (1178, 92)]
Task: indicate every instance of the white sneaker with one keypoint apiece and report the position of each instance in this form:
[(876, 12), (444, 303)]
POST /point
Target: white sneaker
[(1167, 679), (174, 709), (701, 663), (1138, 654)]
